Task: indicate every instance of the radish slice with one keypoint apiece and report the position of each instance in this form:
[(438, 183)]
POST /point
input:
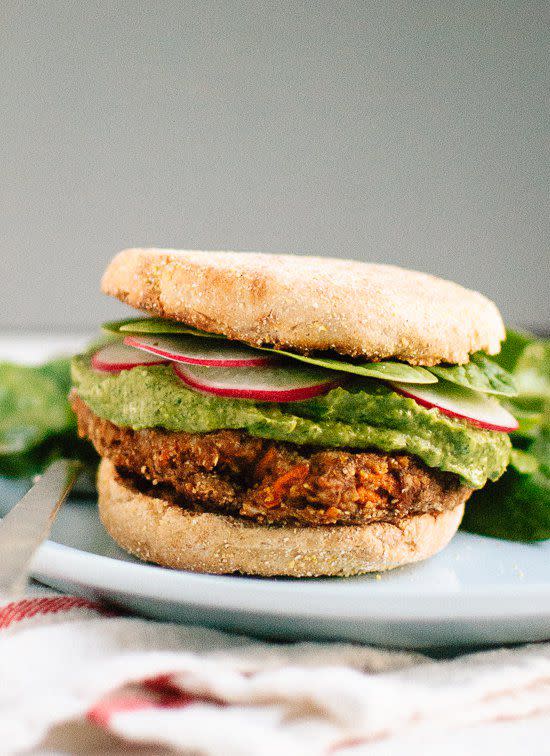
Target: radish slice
[(201, 351), (463, 403), (115, 357), (268, 384)]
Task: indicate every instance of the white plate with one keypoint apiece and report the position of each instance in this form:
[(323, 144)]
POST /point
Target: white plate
[(478, 591)]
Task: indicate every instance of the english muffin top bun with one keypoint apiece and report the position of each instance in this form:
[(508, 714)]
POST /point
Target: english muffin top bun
[(310, 304)]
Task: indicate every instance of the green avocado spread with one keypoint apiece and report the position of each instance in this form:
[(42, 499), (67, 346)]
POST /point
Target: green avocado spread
[(366, 414)]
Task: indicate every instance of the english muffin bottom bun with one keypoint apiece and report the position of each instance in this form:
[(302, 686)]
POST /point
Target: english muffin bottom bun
[(155, 530), (281, 415)]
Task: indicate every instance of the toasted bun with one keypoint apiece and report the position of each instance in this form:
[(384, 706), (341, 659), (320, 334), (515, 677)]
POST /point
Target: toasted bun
[(157, 531), (310, 303)]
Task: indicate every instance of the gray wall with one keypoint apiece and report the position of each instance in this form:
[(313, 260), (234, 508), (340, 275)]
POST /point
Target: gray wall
[(413, 133)]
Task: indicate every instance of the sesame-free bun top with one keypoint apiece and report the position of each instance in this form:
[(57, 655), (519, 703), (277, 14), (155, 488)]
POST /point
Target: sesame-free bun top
[(310, 303)]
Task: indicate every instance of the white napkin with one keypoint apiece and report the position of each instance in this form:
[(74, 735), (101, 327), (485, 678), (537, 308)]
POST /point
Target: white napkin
[(64, 661)]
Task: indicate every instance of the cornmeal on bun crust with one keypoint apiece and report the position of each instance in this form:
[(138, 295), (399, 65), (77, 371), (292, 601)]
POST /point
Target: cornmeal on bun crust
[(310, 304), (156, 530)]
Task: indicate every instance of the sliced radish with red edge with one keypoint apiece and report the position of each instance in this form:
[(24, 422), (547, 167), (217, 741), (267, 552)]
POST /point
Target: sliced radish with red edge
[(192, 351), (115, 357), (264, 384), (462, 403)]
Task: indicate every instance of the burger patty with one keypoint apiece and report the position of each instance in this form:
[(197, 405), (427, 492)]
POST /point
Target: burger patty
[(268, 481)]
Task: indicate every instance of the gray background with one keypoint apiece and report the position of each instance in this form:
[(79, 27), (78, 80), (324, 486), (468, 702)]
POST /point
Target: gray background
[(413, 133)]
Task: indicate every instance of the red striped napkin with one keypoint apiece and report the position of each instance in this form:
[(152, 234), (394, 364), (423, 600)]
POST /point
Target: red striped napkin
[(68, 664)]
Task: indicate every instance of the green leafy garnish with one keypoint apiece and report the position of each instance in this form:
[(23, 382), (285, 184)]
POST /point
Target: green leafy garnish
[(37, 424), (480, 374), (155, 326), (512, 348), (388, 371), (524, 462), (530, 421), (532, 370), (33, 406), (531, 360), (517, 507)]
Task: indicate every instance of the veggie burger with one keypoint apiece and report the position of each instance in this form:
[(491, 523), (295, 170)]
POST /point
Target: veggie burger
[(283, 415)]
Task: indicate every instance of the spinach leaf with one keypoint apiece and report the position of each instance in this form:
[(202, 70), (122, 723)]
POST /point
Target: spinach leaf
[(389, 371), (512, 348), (37, 424), (33, 406), (480, 374), (33, 461), (516, 507), (524, 462), (532, 370), (530, 420), (155, 326), (532, 375)]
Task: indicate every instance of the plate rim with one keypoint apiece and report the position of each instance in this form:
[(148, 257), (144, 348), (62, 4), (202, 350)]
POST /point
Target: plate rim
[(324, 600)]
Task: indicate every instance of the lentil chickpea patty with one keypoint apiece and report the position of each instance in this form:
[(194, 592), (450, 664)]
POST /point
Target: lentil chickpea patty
[(271, 482)]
